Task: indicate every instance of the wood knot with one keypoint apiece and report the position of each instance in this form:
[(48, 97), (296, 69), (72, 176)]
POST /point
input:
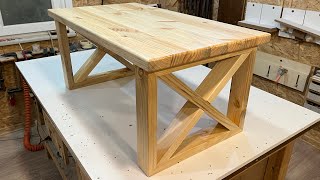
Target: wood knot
[(236, 104), (140, 72), (117, 13), (124, 30)]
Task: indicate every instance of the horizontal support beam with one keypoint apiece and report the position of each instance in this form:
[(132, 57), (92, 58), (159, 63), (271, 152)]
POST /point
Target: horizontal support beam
[(103, 77), (120, 59), (204, 61), (197, 142)]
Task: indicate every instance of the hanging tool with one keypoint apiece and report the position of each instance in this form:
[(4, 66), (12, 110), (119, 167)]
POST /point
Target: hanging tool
[(281, 72)]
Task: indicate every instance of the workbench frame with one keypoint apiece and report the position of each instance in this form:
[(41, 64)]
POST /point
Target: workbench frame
[(271, 165), (155, 155)]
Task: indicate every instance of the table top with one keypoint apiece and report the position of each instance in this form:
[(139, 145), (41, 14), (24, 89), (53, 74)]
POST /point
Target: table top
[(98, 123), (154, 38)]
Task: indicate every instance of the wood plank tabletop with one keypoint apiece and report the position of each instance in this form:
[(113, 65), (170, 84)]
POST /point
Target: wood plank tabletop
[(154, 38)]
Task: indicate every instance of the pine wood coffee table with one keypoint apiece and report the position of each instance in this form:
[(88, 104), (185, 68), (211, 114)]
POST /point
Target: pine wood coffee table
[(153, 43)]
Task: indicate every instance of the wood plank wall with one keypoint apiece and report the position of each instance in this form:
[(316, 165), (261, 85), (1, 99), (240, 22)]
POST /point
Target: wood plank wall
[(303, 52), (231, 11)]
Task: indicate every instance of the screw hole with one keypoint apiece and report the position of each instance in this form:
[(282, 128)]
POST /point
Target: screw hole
[(273, 7), (280, 60), (252, 4), (292, 11)]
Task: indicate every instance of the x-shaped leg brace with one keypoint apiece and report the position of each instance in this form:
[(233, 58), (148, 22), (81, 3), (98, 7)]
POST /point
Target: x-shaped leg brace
[(176, 144)]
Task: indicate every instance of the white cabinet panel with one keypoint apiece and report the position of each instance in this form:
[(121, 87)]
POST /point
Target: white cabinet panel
[(253, 12), (268, 65)]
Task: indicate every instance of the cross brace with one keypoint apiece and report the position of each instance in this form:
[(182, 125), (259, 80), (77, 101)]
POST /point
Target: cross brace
[(176, 143), (82, 77)]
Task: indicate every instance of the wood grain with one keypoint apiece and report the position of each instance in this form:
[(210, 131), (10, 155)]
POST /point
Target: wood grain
[(181, 88), (278, 164), (189, 114), (231, 11), (65, 54), (313, 5), (239, 93), (120, 59), (89, 65), (154, 38), (197, 142), (146, 95)]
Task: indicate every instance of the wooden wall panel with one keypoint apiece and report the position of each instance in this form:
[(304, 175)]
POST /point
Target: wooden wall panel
[(231, 11), (303, 52), (172, 5), (78, 3), (313, 5), (313, 136), (309, 53), (283, 47), (278, 90)]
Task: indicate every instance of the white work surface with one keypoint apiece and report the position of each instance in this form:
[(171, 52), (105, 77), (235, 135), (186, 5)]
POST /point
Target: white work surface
[(98, 122)]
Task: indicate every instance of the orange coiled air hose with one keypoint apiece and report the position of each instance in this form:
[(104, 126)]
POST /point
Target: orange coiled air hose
[(27, 115)]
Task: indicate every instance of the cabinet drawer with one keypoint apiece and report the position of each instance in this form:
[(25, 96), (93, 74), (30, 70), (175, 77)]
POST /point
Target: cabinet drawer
[(56, 139), (314, 86)]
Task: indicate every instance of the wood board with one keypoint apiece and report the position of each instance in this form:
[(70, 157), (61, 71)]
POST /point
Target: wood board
[(98, 123), (153, 38)]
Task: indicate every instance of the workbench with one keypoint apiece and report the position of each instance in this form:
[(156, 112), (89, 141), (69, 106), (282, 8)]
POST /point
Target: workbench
[(97, 126), (152, 44)]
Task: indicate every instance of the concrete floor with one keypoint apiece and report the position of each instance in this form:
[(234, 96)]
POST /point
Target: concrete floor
[(17, 163)]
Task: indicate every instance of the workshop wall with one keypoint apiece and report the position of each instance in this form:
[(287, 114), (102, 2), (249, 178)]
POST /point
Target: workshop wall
[(167, 4), (303, 52), (12, 116)]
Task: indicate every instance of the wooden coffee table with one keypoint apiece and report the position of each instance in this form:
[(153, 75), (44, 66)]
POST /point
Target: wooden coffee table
[(154, 43)]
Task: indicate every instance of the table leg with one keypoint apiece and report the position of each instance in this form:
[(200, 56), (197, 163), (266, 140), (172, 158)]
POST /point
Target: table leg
[(278, 163), (239, 93), (146, 101), (65, 54)]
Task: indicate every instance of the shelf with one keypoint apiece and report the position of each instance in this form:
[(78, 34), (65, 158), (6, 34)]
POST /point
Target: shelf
[(30, 37), (304, 29), (256, 26)]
